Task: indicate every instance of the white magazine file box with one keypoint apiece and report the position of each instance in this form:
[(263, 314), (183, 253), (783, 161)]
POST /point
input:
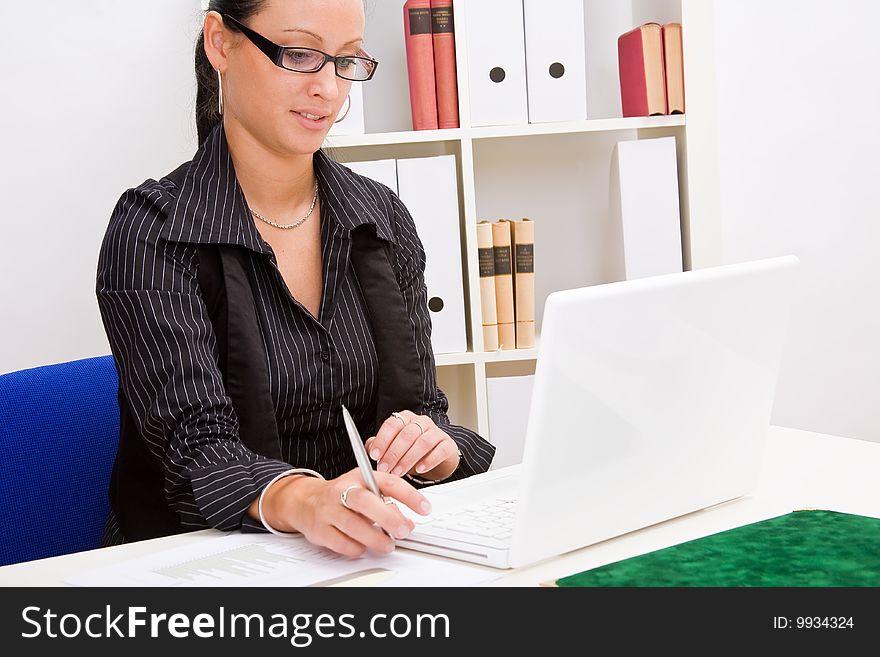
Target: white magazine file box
[(429, 189), (555, 60), (496, 62)]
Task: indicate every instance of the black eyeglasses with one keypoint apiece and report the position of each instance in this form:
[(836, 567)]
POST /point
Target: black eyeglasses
[(357, 68)]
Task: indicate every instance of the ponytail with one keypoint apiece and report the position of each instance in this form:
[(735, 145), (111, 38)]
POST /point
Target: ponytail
[(207, 90)]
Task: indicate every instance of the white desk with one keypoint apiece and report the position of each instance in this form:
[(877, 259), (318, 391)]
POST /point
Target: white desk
[(801, 470)]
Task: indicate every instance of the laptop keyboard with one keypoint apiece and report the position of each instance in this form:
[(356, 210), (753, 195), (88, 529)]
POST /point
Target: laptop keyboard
[(488, 519)]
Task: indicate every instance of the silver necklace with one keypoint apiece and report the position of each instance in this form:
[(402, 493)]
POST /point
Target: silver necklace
[(294, 225)]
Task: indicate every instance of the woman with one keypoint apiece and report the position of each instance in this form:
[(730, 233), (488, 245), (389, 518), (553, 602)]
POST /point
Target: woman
[(255, 290)]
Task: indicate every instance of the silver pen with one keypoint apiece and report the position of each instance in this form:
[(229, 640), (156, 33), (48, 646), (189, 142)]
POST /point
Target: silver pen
[(363, 461), (360, 454)]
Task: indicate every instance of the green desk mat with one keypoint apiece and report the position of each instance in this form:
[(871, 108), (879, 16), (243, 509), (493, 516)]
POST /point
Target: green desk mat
[(804, 548)]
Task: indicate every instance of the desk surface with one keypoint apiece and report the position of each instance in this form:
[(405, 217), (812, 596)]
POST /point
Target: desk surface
[(801, 470)]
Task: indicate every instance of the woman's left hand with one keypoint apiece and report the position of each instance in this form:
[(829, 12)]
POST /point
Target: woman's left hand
[(413, 444)]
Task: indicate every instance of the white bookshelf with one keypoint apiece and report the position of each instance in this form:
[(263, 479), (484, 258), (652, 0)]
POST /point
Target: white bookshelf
[(557, 174)]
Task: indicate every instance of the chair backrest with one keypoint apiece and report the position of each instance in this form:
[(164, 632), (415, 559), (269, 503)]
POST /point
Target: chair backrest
[(59, 427)]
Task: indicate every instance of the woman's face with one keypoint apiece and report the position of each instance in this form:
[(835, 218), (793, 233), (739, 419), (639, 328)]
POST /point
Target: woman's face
[(269, 101)]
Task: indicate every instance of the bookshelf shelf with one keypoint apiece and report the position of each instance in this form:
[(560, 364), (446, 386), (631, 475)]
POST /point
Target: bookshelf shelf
[(470, 357), (465, 358), (590, 125), (502, 132), (559, 174), (509, 356), (395, 138)]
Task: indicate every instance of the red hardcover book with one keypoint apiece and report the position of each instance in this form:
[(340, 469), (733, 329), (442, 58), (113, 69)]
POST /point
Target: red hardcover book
[(642, 71), (420, 63), (443, 28)]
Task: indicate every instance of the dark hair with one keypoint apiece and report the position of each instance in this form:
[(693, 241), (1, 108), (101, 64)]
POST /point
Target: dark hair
[(207, 115)]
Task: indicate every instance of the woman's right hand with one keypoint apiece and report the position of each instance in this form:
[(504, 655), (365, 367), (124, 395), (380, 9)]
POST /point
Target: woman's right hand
[(314, 507)]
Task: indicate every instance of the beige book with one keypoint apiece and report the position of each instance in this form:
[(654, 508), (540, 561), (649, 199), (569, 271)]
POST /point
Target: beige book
[(504, 285), (674, 63), (523, 239), (485, 249)]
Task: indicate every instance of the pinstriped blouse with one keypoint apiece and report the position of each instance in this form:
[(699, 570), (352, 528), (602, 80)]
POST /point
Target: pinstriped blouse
[(166, 352)]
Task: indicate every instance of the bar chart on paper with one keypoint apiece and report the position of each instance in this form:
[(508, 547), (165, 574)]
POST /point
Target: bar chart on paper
[(261, 560)]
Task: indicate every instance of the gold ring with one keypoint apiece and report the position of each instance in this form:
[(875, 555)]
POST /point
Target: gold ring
[(344, 497), (399, 417)]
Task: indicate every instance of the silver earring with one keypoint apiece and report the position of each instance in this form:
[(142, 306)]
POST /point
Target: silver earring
[(347, 110), (219, 94)]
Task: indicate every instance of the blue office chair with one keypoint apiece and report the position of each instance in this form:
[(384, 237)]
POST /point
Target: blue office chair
[(59, 427)]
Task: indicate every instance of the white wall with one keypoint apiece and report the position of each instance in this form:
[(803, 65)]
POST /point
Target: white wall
[(798, 95), (97, 96)]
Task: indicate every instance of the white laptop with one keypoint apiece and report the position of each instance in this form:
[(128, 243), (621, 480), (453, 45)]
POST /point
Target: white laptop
[(652, 399)]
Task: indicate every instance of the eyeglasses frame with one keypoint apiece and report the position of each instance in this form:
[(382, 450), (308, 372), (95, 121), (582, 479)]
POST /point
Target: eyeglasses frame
[(276, 53)]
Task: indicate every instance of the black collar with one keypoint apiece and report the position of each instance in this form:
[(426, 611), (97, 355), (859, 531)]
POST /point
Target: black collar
[(211, 208)]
